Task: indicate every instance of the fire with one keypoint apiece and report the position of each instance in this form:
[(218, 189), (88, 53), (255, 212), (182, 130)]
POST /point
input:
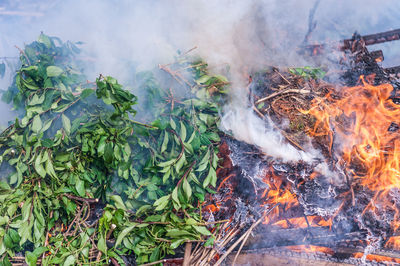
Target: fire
[(212, 208), (311, 249), (278, 192), (376, 258), (393, 242), (360, 125)]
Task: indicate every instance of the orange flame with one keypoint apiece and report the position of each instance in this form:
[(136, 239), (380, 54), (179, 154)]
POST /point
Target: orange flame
[(280, 192), (311, 249), (361, 119), (393, 242), (277, 193), (376, 258)]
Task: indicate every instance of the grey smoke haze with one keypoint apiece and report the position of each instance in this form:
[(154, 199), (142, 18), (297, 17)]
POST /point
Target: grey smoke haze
[(246, 35), (241, 33)]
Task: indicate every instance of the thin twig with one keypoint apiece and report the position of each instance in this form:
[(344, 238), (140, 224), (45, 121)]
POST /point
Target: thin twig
[(156, 262), (177, 76), (215, 222), (181, 142), (88, 200), (311, 23), (188, 51), (272, 95), (188, 250), (283, 77), (23, 53), (244, 236)]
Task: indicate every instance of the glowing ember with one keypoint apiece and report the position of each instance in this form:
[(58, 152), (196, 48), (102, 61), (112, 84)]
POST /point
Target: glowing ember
[(393, 242), (277, 192), (377, 258), (311, 249)]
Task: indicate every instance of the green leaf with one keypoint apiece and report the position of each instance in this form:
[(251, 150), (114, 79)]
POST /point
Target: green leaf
[(45, 40), (187, 189), (203, 79), (109, 153), (3, 220), (8, 242), (39, 251), (70, 260), (175, 195), (80, 187), (86, 93), (50, 169), (165, 142), (183, 132), (172, 123), (36, 124), (101, 146), (202, 230), (30, 258), (36, 100), (2, 70), (221, 78), (54, 71), (213, 180), (118, 202), (167, 163), (48, 143), (155, 254), (38, 165), (66, 123), (209, 242), (191, 221), (101, 244), (161, 203), (206, 158), (25, 231), (202, 167), (180, 163), (179, 233), (177, 243), (166, 175), (124, 233)]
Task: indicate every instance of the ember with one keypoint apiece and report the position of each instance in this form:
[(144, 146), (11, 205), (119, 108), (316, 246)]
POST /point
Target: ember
[(350, 195), (249, 148)]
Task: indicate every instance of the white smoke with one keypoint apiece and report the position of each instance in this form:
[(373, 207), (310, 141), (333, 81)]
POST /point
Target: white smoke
[(246, 35)]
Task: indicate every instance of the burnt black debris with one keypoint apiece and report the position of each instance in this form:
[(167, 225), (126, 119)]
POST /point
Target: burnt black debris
[(353, 227)]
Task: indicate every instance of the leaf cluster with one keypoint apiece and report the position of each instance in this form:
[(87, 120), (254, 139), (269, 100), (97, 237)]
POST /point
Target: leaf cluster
[(308, 72), (77, 140)]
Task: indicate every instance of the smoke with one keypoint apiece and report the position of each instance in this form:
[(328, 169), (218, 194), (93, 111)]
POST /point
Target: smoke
[(123, 36), (240, 33)]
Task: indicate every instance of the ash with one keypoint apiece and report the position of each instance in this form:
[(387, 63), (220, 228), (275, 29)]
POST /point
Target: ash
[(251, 163)]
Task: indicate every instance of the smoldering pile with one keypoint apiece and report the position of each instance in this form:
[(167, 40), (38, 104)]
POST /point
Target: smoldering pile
[(326, 200)]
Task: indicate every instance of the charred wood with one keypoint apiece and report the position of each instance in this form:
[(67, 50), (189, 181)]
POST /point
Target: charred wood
[(321, 235), (347, 44), (374, 38)]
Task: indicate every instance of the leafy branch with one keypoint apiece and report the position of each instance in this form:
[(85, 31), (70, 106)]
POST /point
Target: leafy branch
[(74, 146)]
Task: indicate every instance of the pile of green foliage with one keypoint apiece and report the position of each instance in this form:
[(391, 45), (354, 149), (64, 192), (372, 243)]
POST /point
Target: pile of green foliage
[(76, 141)]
